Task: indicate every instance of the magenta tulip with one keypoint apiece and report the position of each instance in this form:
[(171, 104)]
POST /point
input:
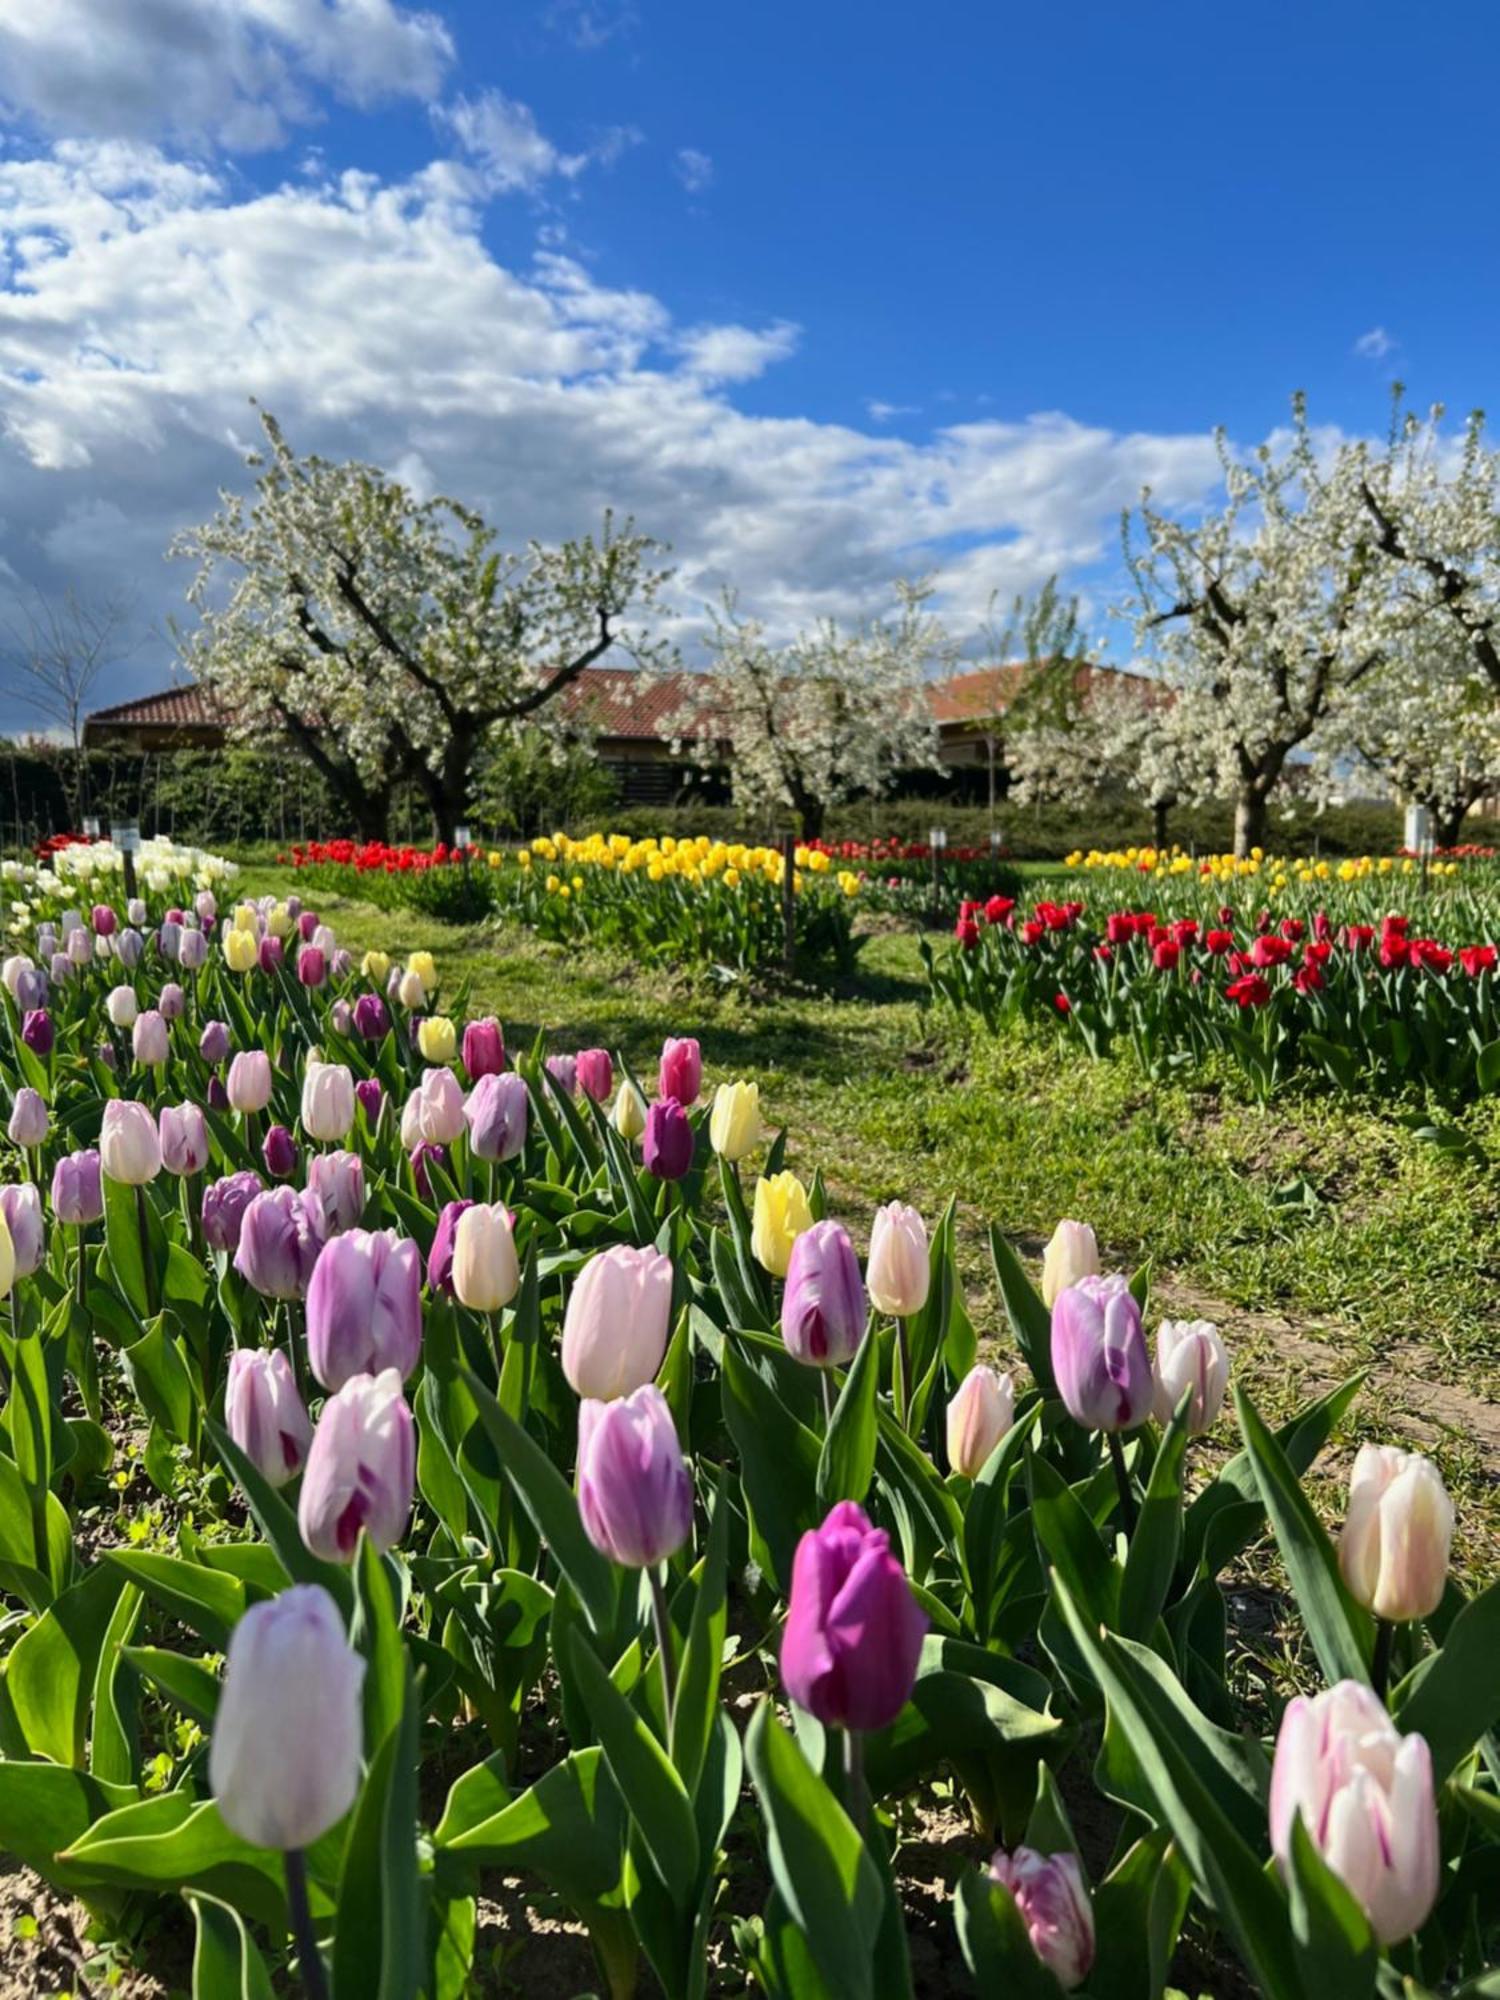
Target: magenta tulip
[(224, 1205), (595, 1073), (823, 1309), (667, 1144), (680, 1073), (281, 1234), (483, 1048), (854, 1631)]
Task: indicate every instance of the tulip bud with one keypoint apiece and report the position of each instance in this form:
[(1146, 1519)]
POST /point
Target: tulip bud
[(1049, 1892), (11, 970), (284, 1763), (437, 1038), (281, 1233), (61, 968), (37, 1031), (364, 1307), (440, 1256), (853, 1634), (781, 1214), (192, 953), (169, 939), (312, 965), (241, 950), (1395, 1546), (80, 947), (371, 1018), (563, 1071), (734, 1126), (338, 1180), (129, 1143), (31, 988), (249, 1080), (149, 1041), (307, 924), (375, 966), (667, 1144), (77, 1193), (420, 965), (410, 991), (628, 1114), (21, 1213), (264, 1415), (213, 1043), (616, 1325), (496, 1112), (1190, 1355), (823, 1309), (121, 1006), (371, 1098), (7, 1260), (1099, 1355), (635, 1493), (104, 920), (224, 1205), (486, 1275), (484, 1048), (899, 1272), (135, 910), (595, 1073), (435, 1110), (184, 1139), (981, 1412), (171, 1001), (216, 1097), (128, 948), (680, 1074), (327, 1101), (279, 1152), (1070, 1255), (1364, 1792), (361, 1470)]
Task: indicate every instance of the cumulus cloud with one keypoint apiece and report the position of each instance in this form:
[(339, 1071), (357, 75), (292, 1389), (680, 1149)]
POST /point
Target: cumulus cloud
[(882, 413), (694, 169), (237, 73), (512, 152), (148, 300)]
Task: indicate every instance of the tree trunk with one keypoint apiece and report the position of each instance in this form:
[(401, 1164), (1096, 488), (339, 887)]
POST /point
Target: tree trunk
[(1249, 822), (1447, 823), (813, 815), (1159, 810)]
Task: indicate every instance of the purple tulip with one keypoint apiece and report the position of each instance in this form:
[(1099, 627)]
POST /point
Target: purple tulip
[(307, 923), (854, 1631), (128, 947), (425, 1152), (150, 1039), (563, 1071), (280, 1153), (264, 1414), (169, 939), (371, 1017), (680, 1074), (823, 1309), (371, 1098), (1100, 1357), (216, 1096), (37, 1031), (361, 1470), (440, 1256), (77, 1188), (667, 1147), (484, 1048), (80, 947), (634, 1491), (595, 1073), (103, 920), (62, 967), (271, 954), (224, 1205), (338, 1180), (31, 989), (213, 1043), (496, 1111), (192, 953), (281, 1233), (184, 1139), (341, 1017), (21, 1212), (312, 966), (29, 1121), (364, 1307), (171, 1001)]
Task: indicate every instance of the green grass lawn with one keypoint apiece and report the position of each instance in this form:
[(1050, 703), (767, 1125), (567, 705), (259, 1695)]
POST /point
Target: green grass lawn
[(1322, 1236)]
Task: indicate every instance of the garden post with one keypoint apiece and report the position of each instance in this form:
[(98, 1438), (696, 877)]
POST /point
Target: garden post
[(789, 901)]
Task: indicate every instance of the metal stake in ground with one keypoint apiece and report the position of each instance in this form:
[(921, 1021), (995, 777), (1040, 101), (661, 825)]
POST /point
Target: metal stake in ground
[(789, 902)]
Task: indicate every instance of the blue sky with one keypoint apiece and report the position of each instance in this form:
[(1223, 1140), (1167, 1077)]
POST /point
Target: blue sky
[(825, 294)]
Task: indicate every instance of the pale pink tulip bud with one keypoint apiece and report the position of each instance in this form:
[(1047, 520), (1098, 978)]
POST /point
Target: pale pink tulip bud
[(249, 1080), (1190, 1355), (616, 1325), (129, 1143), (1396, 1541), (264, 1415), (327, 1101), (981, 1412), (898, 1273), (486, 1275), (1049, 1892), (1070, 1255), (184, 1139)]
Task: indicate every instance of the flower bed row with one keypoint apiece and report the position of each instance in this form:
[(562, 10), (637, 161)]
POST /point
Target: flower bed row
[(1368, 1005), (533, 1498), (701, 901)]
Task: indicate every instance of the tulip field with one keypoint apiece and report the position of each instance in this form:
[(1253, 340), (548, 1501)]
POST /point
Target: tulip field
[(516, 1473)]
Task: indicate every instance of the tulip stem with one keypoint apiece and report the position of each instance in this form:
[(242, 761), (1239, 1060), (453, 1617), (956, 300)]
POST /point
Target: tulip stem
[(153, 1303), (1122, 1480), (903, 1377), (661, 1617), (309, 1958), (856, 1799), (291, 1346), (827, 1400), (1380, 1666)]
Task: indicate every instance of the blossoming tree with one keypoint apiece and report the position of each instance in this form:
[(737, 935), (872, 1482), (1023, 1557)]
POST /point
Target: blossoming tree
[(386, 636), (836, 711)]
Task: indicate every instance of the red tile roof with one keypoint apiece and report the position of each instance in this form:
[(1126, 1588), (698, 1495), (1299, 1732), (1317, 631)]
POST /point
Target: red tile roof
[(174, 708)]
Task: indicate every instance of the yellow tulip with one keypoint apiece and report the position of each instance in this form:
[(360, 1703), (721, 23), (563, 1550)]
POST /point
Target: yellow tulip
[(781, 1215), (734, 1125), (437, 1038), (376, 967), (423, 965), (241, 950)]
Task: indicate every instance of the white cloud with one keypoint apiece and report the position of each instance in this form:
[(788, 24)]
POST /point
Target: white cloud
[(148, 300), (882, 413), (694, 169), (236, 73), (511, 151), (1375, 345)]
